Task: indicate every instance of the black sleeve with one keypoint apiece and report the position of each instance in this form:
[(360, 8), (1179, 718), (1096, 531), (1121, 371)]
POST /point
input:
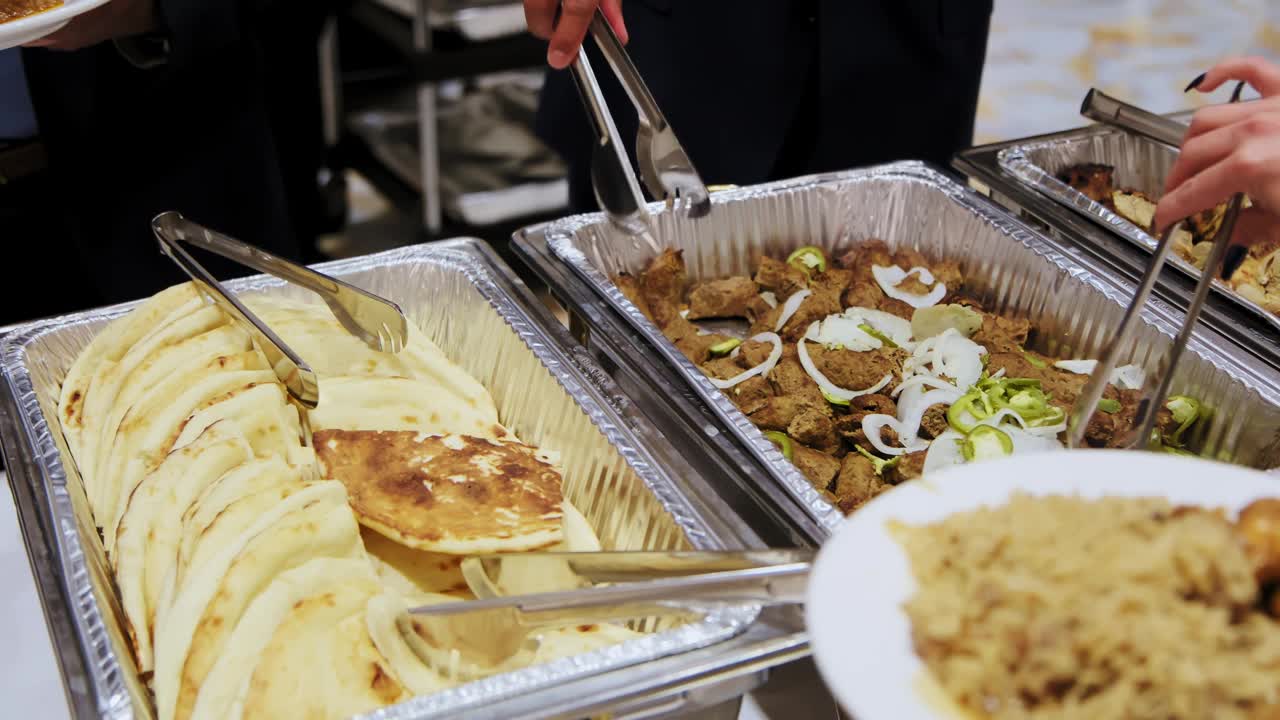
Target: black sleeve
[(199, 30)]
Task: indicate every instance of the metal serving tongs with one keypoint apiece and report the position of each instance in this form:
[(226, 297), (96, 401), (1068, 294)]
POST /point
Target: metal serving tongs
[(667, 171), (1156, 385), (681, 584), (1105, 109), (665, 166), (298, 378), (375, 321)]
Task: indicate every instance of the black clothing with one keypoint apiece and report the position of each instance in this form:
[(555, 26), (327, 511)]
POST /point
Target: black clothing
[(759, 90), (125, 144)]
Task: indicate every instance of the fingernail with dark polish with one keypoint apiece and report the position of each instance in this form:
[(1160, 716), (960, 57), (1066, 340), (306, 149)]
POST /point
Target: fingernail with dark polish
[(1195, 83), (1235, 257)]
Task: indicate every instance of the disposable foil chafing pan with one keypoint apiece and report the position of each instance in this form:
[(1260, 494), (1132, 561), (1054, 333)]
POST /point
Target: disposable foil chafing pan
[(1074, 303), (1139, 163), (457, 294)]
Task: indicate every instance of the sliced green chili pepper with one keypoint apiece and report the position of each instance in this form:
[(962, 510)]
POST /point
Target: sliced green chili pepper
[(782, 441), (985, 443), (1109, 405), (1035, 361), (1054, 416), (888, 342), (724, 347), (1185, 412), (1177, 451), (880, 464), (808, 258), (835, 400), (955, 413)]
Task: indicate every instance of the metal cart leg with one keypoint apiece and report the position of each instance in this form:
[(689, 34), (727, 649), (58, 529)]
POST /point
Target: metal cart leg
[(428, 141), (330, 85)]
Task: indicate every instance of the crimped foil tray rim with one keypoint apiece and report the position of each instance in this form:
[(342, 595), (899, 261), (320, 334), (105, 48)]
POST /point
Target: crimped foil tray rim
[(559, 238), (1016, 161), (104, 667)]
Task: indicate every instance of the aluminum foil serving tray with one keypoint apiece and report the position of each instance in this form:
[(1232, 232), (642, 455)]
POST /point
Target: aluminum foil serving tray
[(1139, 163), (458, 294), (1073, 303)]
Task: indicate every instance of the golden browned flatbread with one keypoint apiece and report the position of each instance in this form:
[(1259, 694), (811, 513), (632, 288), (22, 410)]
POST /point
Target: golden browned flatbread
[(453, 494)]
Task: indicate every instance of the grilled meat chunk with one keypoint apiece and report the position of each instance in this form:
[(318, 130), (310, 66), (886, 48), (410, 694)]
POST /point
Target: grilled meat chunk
[(857, 482), (819, 467), (780, 278), (858, 370), (727, 298)]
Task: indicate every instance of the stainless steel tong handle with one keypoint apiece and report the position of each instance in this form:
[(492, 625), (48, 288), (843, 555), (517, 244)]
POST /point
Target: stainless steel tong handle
[(612, 178), (655, 585), (1103, 108), (1155, 387), (376, 321), (770, 585), (665, 166), (298, 377)]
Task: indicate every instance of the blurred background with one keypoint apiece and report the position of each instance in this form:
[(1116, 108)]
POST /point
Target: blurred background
[(484, 174)]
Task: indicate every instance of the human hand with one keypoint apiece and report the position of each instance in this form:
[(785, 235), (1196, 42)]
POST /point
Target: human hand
[(113, 20), (574, 17), (1230, 149)]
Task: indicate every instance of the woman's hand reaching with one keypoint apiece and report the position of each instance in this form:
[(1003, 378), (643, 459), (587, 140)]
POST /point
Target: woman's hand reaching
[(564, 23), (1230, 149)]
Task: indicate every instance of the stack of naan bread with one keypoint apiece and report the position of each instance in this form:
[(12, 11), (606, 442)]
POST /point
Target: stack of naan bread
[(248, 587)]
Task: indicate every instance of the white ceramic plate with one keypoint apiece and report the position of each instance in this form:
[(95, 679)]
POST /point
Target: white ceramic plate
[(860, 636), (33, 27)]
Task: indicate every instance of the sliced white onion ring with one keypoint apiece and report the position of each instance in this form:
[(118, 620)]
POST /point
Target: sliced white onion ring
[(949, 354), (892, 326), (888, 278), (844, 332), (1045, 431), (790, 306), (826, 385), (774, 356), (1079, 367), (1128, 377), (914, 404), (769, 298), (929, 380), (873, 424), (1125, 377)]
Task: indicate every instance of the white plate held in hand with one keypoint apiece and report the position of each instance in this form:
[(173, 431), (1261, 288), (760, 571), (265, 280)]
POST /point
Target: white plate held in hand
[(33, 27), (860, 635)]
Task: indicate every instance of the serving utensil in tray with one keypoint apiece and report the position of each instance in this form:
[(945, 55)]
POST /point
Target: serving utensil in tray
[(1020, 173), (1099, 106), (1155, 387), (664, 165), (1074, 302), (642, 584), (376, 321), (633, 487)]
